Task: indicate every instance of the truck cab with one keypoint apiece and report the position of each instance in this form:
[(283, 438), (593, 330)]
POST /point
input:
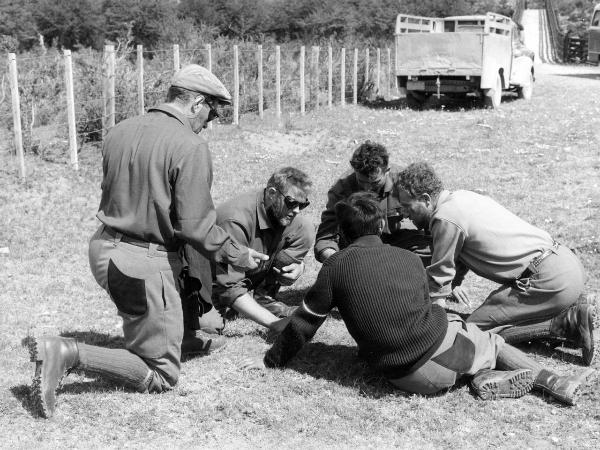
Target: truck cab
[(462, 55)]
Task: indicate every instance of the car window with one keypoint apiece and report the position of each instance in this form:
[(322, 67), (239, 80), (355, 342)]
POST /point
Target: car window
[(596, 19)]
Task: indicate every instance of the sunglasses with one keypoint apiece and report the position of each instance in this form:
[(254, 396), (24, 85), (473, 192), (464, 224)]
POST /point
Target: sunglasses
[(213, 105), (292, 203)]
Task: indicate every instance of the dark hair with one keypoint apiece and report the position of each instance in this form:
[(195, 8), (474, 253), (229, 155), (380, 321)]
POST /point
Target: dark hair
[(359, 215), (419, 178), (368, 157), (282, 178), (183, 95)]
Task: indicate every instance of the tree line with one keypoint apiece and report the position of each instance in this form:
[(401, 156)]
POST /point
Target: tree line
[(74, 24)]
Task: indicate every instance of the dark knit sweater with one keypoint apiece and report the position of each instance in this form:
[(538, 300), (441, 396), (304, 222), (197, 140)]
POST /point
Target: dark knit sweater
[(382, 295)]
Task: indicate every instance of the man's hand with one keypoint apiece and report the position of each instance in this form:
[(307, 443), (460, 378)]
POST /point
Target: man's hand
[(459, 295), (253, 362), (254, 259), (289, 274)]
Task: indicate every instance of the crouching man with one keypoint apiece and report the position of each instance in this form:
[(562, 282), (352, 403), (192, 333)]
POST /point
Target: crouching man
[(269, 220), (382, 295)]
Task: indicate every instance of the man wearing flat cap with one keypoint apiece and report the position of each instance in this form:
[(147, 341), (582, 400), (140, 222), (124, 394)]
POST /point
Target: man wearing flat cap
[(155, 198)]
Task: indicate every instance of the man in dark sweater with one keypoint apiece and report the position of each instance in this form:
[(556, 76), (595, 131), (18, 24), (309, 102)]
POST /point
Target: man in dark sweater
[(382, 295)]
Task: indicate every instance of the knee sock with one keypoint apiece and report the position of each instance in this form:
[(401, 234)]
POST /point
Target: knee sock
[(118, 364), (524, 333), (511, 358)]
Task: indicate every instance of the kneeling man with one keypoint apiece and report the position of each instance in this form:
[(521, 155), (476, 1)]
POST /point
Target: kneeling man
[(381, 293), (541, 281)]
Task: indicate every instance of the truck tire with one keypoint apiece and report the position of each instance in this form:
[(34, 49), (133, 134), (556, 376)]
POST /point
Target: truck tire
[(525, 92), (493, 97), (416, 100)]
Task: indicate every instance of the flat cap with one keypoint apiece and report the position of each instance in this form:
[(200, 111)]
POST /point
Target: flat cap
[(199, 79)]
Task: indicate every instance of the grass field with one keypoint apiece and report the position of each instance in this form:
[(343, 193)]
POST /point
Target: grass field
[(541, 159)]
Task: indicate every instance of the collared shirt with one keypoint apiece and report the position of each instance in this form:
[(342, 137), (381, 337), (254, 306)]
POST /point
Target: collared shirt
[(156, 185), (246, 219), (328, 232), (381, 294), (489, 239)]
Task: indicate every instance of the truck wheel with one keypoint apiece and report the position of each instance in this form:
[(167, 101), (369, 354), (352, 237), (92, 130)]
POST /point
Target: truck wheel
[(415, 100), (525, 92), (493, 97)]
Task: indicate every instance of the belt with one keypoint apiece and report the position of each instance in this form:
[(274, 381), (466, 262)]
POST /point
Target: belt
[(137, 242), (535, 262)]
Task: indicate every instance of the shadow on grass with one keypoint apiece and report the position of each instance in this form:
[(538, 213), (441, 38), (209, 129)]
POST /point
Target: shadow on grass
[(341, 364), (445, 103)]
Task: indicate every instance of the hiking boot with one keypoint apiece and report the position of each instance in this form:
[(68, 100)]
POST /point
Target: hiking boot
[(493, 384), (576, 325), (53, 357), (197, 343), (276, 308), (565, 389)]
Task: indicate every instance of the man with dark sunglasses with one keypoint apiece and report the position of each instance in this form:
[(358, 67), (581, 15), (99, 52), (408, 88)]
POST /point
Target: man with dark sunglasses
[(267, 221)]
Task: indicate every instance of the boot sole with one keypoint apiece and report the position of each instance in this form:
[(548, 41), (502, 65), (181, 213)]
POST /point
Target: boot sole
[(37, 354), (589, 354), (516, 386)]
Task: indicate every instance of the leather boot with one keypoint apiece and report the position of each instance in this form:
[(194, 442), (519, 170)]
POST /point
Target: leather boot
[(563, 388), (576, 325), (54, 357), (197, 343), (493, 384)]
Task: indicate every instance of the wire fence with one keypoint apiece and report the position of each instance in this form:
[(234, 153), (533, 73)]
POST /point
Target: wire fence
[(75, 98)]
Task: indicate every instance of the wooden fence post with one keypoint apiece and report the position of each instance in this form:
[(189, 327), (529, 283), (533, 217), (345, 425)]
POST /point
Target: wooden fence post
[(355, 78), (343, 78), (176, 64), (302, 92), (16, 110), (366, 66), (278, 80), (329, 76), (209, 67), (236, 86), (108, 120), (378, 79), (140, 79), (314, 75), (389, 72), (260, 82), (71, 109)]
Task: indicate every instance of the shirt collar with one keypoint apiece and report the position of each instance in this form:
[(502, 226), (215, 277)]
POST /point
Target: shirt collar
[(173, 112), (264, 222), (370, 240), (442, 198)]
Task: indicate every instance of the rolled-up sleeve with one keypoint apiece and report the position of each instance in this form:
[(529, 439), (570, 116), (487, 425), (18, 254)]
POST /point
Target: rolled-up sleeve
[(231, 283), (448, 239), (195, 221), (328, 233)]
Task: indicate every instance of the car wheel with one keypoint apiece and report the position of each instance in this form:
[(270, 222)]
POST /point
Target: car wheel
[(525, 92), (493, 97), (415, 100)]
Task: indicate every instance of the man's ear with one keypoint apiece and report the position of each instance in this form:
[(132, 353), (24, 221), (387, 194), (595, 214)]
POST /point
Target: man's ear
[(197, 104), (426, 198), (381, 226)]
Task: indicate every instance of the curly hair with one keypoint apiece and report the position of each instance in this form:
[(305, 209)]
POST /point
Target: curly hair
[(359, 215), (368, 157), (282, 178), (419, 178)]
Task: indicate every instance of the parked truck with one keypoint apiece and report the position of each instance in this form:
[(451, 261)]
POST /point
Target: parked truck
[(478, 55)]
